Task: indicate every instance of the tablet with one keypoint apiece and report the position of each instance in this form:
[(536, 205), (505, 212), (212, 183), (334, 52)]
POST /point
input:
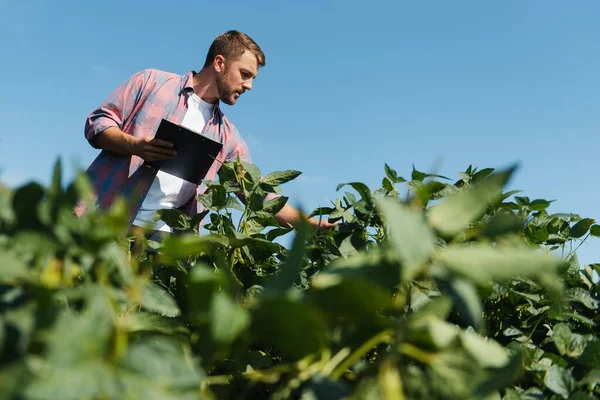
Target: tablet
[(195, 152)]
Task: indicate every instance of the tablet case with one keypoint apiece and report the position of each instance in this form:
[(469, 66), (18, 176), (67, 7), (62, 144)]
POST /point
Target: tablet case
[(195, 152)]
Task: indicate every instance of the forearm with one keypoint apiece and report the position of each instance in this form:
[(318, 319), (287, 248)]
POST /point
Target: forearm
[(288, 215), (115, 140)]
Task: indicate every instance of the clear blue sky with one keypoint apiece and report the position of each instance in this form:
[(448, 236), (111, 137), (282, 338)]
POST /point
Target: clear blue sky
[(347, 86)]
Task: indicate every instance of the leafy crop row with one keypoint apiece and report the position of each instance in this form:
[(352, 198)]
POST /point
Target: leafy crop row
[(427, 289)]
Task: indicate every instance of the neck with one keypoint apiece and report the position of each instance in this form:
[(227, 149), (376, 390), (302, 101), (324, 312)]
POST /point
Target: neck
[(205, 86)]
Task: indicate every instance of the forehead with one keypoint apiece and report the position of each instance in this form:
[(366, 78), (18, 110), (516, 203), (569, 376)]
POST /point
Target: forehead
[(247, 61)]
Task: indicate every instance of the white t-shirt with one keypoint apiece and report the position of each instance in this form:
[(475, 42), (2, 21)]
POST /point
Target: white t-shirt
[(168, 191)]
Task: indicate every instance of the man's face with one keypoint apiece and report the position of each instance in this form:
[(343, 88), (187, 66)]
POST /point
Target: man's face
[(235, 77)]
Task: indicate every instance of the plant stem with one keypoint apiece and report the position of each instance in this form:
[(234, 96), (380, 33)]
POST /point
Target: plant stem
[(383, 336), (415, 353), (576, 248)]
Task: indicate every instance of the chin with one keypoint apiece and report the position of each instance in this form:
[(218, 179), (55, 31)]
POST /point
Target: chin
[(229, 100)]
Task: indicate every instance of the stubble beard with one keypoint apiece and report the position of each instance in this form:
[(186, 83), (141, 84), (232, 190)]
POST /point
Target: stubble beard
[(225, 92)]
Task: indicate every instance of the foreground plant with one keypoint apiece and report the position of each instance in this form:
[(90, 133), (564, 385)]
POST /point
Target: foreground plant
[(437, 290)]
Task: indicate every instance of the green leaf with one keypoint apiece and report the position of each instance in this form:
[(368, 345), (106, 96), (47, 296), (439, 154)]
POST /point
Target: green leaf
[(360, 187), (13, 268), (253, 172), (387, 185), (149, 322), (591, 378), (392, 175), (321, 211), (439, 307), (229, 319), (411, 237), (482, 174), (82, 337), (509, 193), (92, 379), (182, 246), (559, 381), (254, 226), (581, 227), (453, 215), (197, 219), (562, 338), (256, 202), (174, 218), (203, 283), (501, 378), (275, 205), (582, 296), (155, 298), (539, 204), (233, 202), (295, 329), (160, 362), (419, 176), (591, 355), (227, 172), (502, 223), (484, 263), (277, 232), (432, 333), (55, 189), (340, 295), (595, 230), (11, 378), (25, 203), (346, 248), (290, 271), (487, 352), (377, 265), (280, 177), (466, 301)]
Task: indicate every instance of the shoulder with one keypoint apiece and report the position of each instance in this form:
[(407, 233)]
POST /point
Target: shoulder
[(158, 76)]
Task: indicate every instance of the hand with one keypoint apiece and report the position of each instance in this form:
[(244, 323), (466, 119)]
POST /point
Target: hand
[(322, 223), (153, 149)]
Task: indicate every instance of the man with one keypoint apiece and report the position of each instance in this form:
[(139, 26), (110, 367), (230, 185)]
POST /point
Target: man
[(124, 125)]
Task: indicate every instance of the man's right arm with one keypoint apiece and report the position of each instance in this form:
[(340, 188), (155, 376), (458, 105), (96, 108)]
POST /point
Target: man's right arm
[(104, 126), (115, 140)]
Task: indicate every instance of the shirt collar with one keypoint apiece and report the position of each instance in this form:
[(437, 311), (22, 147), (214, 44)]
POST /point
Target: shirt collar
[(187, 87)]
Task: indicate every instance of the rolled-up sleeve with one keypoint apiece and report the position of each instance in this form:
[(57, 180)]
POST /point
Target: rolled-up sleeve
[(116, 109)]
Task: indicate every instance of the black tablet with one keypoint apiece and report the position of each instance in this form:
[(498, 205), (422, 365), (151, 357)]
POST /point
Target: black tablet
[(195, 153)]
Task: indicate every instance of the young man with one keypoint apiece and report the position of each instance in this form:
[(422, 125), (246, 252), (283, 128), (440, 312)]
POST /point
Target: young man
[(124, 125)]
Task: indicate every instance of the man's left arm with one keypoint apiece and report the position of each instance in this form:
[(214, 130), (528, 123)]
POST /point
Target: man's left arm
[(288, 215)]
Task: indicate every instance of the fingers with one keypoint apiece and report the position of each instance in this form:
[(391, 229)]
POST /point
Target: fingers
[(160, 151), (156, 157), (323, 224), (160, 143)]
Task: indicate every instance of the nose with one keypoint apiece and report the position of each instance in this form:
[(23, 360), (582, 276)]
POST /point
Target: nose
[(247, 85)]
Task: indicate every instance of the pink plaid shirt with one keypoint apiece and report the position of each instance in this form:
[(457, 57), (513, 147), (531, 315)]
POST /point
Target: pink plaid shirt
[(137, 107)]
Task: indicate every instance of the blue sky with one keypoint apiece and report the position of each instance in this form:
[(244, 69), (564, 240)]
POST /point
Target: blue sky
[(347, 87)]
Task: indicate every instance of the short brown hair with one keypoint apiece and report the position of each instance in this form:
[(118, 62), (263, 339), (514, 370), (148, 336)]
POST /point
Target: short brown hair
[(231, 45)]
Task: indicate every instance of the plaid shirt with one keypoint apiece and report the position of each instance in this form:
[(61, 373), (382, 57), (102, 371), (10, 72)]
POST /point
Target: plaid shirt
[(137, 108)]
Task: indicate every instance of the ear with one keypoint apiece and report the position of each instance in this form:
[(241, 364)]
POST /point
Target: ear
[(219, 63)]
